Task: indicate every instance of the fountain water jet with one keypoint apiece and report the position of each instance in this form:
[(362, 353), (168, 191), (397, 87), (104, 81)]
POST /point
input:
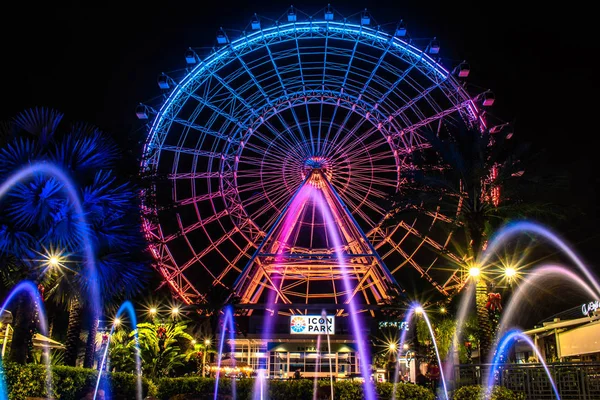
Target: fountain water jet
[(324, 315), (319, 197), (437, 353), (259, 390), (409, 314), (125, 307), (503, 345), (57, 173), (31, 289), (466, 303), (520, 227), (539, 274), (317, 368), (227, 324)]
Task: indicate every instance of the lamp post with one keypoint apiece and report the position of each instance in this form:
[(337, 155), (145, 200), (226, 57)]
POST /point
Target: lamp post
[(206, 346)]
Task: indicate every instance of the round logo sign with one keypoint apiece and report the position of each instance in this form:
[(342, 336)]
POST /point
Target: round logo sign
[(298, 324)]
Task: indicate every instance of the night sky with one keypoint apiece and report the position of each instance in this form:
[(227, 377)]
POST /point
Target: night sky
[(95, 63)]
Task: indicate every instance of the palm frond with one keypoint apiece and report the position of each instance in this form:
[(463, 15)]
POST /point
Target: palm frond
[(16, 154), (40, 122)]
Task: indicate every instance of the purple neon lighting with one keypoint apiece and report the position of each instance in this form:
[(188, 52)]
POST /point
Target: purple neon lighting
[(326, 209)]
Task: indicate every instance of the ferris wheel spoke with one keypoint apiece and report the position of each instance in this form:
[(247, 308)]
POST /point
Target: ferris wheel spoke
[(327, 142), (266, 97), (362, 200)]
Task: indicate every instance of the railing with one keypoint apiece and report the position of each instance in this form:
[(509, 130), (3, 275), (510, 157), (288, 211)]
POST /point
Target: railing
[(574, 381)]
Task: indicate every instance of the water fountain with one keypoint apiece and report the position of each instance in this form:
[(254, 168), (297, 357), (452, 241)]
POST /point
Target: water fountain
[(319, 197), (503, 345), (56, 172), (29, 288), (49, 169), (227, 324), (125, 307), (522, 227)]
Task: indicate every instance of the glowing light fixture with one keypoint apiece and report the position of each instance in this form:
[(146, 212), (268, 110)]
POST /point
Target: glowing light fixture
[(207, 342), (392, 346), (510, 272), (419, 310), (117, 322), (474, 272)]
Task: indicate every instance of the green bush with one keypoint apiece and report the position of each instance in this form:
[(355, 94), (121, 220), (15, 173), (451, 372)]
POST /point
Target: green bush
[(68, 383), (192, 388), (474, 392), (404, 391)]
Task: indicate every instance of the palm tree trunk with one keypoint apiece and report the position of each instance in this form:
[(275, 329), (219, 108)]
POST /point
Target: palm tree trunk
[(23, 330), (483, 320), (73, 332), (90, 346)]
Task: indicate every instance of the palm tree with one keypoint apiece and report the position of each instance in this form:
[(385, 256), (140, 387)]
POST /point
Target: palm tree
[(161, 347), (38, 217), (481, 174)]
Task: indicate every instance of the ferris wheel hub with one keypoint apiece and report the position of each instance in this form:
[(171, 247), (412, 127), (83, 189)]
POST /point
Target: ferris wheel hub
[(317, 167)]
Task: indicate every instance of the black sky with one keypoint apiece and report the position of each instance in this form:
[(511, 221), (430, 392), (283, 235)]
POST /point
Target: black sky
[(96, 61)]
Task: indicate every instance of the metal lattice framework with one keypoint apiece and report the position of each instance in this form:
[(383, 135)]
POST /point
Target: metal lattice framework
[(237, 135)]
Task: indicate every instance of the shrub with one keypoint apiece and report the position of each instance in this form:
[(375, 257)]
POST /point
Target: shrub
[(193, 388), (474, 392), (404, 391), (68, 383)]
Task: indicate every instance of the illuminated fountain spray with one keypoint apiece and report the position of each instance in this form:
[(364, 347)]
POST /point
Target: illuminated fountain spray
[(48, 169), (537, 277), (407, 318), (466, 303), (227, 321), (504, 345), (324, 315), (125, 307), (517, 228), (319, 198), (419, 310), (290, 216), (29, 288), (317, 369)]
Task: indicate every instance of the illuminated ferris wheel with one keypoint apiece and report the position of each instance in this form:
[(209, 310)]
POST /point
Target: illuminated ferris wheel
[(241, 129)]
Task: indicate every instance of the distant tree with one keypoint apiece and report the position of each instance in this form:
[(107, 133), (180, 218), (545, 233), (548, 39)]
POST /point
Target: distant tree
[(480, 179)]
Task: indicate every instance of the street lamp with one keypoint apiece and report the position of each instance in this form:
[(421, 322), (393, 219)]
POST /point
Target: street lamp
[(510, 272), (54, 261), (474, 272), (175, 311), (117, 322), (153, 311), (206, 345)]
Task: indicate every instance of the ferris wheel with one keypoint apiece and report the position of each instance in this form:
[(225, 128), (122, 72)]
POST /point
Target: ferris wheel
[(239, 130)]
